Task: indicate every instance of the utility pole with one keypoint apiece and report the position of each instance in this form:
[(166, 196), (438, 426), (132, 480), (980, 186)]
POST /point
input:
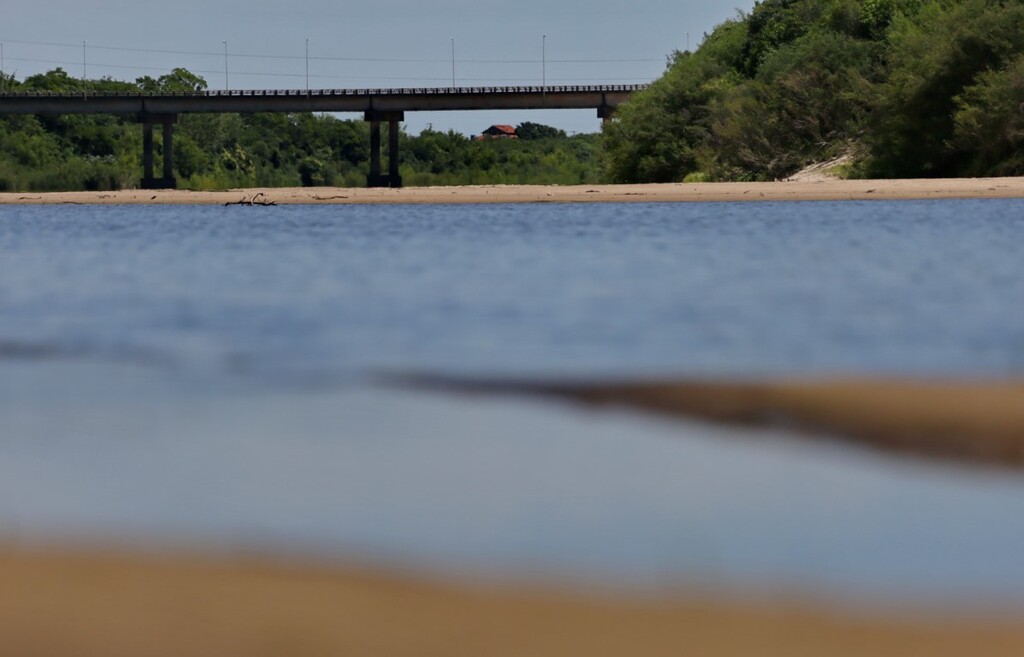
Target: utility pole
[(226, 87), (3, 80), (307, 64), (452, 39), (85, 75), (544, 61)]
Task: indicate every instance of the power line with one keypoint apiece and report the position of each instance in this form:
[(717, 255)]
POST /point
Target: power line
[(154, 69), (429, 79), (396, 60)]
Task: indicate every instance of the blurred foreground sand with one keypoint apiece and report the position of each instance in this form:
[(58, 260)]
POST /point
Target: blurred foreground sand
[(87, 605), (795, 190)]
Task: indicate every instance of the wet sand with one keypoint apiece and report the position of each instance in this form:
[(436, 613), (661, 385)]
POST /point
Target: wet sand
[(62, 604), (797, 190), (979, 422)]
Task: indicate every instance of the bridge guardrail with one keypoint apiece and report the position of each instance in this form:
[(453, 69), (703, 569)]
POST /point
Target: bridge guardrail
[(404, 91)]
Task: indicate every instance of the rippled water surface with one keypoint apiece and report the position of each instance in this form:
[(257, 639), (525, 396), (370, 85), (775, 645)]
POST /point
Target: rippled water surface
[(205, 372)]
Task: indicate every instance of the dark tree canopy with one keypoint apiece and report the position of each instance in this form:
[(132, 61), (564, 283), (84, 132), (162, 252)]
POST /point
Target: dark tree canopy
[(904, 87), (177, 80), (528, 131)]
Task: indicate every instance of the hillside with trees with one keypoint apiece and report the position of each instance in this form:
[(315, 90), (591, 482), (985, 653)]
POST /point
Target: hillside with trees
[(908, 88), (217, 151)]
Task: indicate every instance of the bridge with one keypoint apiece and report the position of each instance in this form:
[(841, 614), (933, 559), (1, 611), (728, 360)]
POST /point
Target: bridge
[(377, 106)]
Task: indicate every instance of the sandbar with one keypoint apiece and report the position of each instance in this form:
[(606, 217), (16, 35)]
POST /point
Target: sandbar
[(90, 603), (960, 421), (814, 189)]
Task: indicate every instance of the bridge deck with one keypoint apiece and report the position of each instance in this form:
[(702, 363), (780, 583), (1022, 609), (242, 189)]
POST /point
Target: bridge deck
[(319, 100)]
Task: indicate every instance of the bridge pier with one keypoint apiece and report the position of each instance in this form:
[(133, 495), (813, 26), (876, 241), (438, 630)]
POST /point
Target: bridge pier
[(148, 180), (376, 178), (605, 113)]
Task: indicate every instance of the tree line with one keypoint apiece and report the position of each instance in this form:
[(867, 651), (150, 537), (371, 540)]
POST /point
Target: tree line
[(906, 88), (217, 151)]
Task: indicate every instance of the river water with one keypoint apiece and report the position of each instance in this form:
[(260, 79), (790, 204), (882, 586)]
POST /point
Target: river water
[(206, 375)]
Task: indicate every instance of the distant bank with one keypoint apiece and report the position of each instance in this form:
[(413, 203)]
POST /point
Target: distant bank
[(802, 190)]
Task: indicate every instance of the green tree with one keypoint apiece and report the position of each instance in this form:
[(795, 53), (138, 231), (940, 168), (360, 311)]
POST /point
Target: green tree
[(658, 135), (989, 123), (773, 23), (807, 103), (178, 80), (55, 80), (935, 57), (528, 131)]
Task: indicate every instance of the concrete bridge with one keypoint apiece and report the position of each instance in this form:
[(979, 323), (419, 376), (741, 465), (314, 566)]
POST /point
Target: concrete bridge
[(376, 105)]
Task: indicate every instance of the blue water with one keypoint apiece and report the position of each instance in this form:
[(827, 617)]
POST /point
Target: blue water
[(931, 287), (205, 374)]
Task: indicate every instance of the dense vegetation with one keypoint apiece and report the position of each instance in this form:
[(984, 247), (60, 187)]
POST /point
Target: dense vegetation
[(211, 151), (907, 87)]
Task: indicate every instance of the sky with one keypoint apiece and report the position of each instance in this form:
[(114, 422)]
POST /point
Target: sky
[(388, 43)]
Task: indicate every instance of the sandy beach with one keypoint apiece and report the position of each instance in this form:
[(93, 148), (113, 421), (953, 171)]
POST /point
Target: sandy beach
[(805, 189), (88, 604)]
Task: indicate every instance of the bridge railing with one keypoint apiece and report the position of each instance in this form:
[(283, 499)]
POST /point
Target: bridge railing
[(403, 91)]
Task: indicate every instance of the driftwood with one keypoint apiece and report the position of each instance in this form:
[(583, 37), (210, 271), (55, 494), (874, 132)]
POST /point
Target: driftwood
[(255, 200)]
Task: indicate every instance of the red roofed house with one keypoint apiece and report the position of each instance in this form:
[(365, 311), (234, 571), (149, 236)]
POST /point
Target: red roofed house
[(498, 132)]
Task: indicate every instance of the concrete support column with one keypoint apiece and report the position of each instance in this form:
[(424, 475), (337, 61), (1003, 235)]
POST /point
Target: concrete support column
[(395, 179), (376, 178), (169, 152), (167, 180), (147, 152), (605, 113)]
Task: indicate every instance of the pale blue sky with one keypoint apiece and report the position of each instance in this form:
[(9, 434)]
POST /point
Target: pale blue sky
[(496, 43)]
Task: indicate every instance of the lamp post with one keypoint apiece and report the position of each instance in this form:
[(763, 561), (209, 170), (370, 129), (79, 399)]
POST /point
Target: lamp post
[(452, 39), (544, 61), (226, 87)]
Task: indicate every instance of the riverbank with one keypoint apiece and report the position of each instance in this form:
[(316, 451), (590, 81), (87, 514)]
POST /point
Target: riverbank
[(967, 421), (64, 604), (796, 190)]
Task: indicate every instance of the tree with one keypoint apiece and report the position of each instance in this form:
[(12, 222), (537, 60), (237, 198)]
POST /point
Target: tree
[(55, 80), (989, 123), (935, 58), (178, 80), (658, 135), (528, 131)]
